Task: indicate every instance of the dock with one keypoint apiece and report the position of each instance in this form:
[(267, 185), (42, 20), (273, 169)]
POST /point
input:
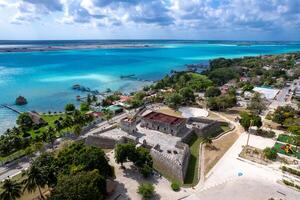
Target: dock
[(10, 108)]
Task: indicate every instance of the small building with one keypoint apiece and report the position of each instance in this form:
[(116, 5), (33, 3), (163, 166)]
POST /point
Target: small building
[(94, 114), (268, 92), (128, 125), (115, 109), (244, 79), (163, 123), (224, 89), (36, 118)]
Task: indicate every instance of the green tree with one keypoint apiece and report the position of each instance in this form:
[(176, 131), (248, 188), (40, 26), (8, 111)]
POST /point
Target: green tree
[(35, 179), (270, 153), (24, 121), (81, 186), (69, 107), (123, 152), (257, 104), (174, 100), (146, 190), (187, 94), (11, 190), (79, 157), (212, 92), (51, 136), (84, 107), (296, 140), (248, 87), (47, 165), (77, 130), (282, 113), (245, 120)]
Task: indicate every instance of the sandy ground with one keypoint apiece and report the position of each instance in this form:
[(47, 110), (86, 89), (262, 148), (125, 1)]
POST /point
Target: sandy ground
[(129, 180), (193, 112), (213, 154)]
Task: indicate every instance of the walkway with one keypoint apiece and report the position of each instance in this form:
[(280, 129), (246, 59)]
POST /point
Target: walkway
[(10, 108)]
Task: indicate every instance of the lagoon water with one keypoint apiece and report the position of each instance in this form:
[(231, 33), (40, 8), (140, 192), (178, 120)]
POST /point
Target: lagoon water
[(46, 78)]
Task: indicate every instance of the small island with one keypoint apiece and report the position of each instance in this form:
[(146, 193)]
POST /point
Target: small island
[(21, 101)]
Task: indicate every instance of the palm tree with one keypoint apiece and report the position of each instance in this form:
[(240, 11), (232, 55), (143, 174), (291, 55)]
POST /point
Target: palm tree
[(35, 179), (51, 136), (11, 190), (207, 140)]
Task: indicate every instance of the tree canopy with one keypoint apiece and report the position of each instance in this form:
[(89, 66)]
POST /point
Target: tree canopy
[(81, 186)]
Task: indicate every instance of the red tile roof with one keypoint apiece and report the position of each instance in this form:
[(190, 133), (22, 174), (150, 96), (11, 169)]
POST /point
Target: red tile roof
[(160, 117)]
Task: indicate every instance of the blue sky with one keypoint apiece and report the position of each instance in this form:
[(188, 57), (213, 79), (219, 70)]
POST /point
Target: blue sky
[(150, 19)]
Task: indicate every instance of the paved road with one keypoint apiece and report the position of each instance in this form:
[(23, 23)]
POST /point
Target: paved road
[(14, 168)]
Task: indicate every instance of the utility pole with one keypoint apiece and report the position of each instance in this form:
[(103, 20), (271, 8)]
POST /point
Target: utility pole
[(251, 121)]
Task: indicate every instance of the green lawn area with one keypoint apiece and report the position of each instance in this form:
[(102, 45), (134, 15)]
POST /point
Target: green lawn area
[(285, 138), (225, 128), (13, 156), (48, 118), (191, 177), (296, 153), (22, 152)]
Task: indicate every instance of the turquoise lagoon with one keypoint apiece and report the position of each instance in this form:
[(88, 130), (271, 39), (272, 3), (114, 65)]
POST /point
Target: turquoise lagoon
[(46, 78)]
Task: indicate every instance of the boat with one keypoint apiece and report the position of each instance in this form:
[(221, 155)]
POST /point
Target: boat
[(127, 76)]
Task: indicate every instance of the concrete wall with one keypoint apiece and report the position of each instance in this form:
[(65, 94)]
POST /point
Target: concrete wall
[(169, 167), (209, 127), (128, 126), (101, 141)]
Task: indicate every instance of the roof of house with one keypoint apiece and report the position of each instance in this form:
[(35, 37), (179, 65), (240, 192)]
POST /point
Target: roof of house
[(114, 108), (161, 117), (36, 118), (124, 99)]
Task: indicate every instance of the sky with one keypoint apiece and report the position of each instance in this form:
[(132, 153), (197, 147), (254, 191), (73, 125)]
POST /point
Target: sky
[(150, 19)]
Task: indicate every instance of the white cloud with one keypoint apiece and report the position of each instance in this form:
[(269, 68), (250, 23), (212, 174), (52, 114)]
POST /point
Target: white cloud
[(197, 15)]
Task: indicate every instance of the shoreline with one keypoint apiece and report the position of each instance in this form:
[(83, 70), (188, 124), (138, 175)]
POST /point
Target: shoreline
[(75, 47)]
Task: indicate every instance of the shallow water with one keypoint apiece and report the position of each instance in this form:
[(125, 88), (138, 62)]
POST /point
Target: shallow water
[(46, 78)]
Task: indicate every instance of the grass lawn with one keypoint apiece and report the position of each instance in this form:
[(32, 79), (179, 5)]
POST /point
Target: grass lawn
[(50, 119), (225, 128), (191, 177), (285, 138), (296, 153)]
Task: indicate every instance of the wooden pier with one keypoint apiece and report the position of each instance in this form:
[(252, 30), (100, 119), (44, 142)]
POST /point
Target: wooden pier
[(10, 108)]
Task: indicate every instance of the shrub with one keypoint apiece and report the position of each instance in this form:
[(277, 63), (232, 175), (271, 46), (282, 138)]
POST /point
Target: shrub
[(289, 183), (146, 170), (146, 190), (270, 153), (175, 186), (291, 170), (267, 134)]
